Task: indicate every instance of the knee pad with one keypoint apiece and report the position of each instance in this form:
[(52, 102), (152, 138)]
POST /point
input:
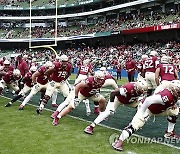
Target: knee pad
[(172, 119)]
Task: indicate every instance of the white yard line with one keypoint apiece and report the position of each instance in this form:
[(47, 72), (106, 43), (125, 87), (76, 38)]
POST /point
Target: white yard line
[(169, 145)]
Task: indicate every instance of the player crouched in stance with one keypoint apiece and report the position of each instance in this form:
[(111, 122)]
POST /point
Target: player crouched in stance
[(86, 89), (10, 79), (27, 80), (162, 103), (127, 95)]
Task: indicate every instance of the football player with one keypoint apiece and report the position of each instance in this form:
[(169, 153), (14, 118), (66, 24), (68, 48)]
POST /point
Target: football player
[(149, 68), (57, 75), (40, 81), (27, 82), (162, 103), (10, 79), (86, 89), (127, 95), (165, 73)]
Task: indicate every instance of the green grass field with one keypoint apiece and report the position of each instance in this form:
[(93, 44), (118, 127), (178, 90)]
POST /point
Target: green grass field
[(26, 132)]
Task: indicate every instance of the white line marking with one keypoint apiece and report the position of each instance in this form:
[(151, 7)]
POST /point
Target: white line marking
[(169, 145)]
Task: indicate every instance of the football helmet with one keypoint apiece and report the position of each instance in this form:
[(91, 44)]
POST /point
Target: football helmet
[(103, 69), (86, 61), (16, 72), (99, 75), (6, 62), (33, 69), (165, 59), (175, 86), (144, 56), (143, 84), (63, 58), (48, 64), (153, 53), (34, 60)]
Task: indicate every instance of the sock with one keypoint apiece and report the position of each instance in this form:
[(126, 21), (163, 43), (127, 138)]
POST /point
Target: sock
[(87, 105), (41, 106), (26, 100), (93, 124), (59, 116), (16, 98), (96, 106), (62, 106), (170, 127), (54, 97), (101, 117), (124, 135)]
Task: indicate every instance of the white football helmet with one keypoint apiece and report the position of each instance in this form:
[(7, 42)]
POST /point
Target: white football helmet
[(16, 72), (48, 64), (86, 61), (6, 62), (103, 69), (34, 60), (144, 56), (143, 84), (33, 69), (175, 84), (165, 59), (153, 53), (99, 75), (64, 58)]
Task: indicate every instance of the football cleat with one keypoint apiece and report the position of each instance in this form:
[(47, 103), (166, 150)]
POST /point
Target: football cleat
[(38, 110), (55, 121), (96, 110), (171, 135), (89, 130), (8, 104), (21, 107), (54, 105), (55, 114), (117, 145)]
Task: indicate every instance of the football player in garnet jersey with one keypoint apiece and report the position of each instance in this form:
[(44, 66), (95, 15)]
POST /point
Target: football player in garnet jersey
[(83, 72), (127, 95), (149, 68), (165, 73), (162, 103), (57, 76), (86, 89), (10, 79), (40, 81), (27, 80)]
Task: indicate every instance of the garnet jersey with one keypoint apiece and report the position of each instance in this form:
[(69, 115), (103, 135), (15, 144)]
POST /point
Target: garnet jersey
[(7, 69), (61, 73), (84, 69), (131, 94), (42, 79), (8, 77), (167, 72), (93, 88), (168, 99), (108, 76), (130, 64), (150, 64), (140, 66), (23, 67), (28, 77)]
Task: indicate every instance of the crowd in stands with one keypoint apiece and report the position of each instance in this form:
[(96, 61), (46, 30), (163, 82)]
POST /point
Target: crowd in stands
[(127, 21), (107, 56)]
